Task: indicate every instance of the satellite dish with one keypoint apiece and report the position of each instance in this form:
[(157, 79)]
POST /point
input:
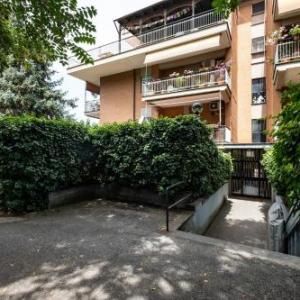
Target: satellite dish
[(197, 108)]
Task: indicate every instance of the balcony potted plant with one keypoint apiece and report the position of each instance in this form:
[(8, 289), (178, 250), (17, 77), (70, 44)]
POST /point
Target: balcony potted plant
[(295, 32), (179, 82)]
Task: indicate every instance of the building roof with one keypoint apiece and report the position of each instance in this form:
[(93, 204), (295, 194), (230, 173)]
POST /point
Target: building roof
[(157, 9), (145, 10)]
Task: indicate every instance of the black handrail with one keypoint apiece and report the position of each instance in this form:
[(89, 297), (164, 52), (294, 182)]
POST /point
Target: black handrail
[(181, 200)]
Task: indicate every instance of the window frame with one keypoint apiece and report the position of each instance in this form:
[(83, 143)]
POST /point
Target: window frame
[(258, 12), (260, 132), (263, 92), (258, 51)]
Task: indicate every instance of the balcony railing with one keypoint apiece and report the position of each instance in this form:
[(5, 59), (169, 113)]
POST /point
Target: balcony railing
[(92, 106), (188, 25), (287, 52), (186, 82), (221, 134)]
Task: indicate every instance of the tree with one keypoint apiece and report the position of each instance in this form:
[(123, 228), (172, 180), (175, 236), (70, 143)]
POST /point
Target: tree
[(45, 30), (225, 6), (282, 162), (32, 91)]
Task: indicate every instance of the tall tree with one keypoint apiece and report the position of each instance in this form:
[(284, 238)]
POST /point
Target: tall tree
[(32, 91), (43, 30), (226, 6)]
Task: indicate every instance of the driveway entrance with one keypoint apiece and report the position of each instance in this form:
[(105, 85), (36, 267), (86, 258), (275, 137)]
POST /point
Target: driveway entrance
[(248, 178)]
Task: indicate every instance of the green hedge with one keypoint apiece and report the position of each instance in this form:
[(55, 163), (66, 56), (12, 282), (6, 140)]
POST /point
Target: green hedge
[(39, 156), (282, 162)]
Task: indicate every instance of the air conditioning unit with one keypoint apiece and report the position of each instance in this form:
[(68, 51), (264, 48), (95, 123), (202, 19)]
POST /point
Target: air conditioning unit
[(215, 106)]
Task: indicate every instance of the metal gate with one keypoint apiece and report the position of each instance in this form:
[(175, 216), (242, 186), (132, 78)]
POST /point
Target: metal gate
[(249, 178)]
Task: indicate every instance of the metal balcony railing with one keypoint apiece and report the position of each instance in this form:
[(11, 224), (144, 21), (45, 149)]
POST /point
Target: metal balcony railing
[(92, 106), (287, 52), (185, 82), (185, 26), (221, 134)]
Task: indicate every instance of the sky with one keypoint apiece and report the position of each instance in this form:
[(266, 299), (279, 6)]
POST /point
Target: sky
[(106, 32)]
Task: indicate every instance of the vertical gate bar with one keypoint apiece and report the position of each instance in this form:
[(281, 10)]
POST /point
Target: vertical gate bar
[(259, 170)]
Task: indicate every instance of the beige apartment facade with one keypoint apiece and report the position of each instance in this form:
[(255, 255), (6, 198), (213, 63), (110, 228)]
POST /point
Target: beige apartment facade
[(175, 54)]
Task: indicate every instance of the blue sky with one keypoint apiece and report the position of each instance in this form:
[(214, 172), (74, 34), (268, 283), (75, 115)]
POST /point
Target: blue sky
[(106, 32)]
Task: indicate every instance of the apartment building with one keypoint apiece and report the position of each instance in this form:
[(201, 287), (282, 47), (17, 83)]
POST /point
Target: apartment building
[(176, 54)]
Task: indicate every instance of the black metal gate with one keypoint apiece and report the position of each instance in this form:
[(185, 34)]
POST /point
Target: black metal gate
[(249, 178)]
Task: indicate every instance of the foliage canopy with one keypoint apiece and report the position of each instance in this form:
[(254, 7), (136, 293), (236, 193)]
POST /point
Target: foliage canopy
[(44, 30)]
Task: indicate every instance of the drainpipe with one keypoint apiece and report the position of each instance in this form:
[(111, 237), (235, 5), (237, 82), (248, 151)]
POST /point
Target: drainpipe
[(134, 95), (220, 110)]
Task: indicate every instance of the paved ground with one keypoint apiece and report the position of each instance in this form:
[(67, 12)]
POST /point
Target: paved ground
[(242, 221), (100, 250)]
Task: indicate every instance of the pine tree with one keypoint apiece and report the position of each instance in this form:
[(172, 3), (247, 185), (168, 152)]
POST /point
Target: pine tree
[(32, 91)]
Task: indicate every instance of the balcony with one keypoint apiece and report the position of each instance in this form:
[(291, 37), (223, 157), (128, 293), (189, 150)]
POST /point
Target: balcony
[(161, 34), (221, 134), (287, 63), (173, 91), (203, 33), (283, 9), (92, 108)]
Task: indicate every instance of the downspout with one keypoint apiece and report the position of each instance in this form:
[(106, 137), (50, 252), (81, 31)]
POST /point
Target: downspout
[(134, 95)]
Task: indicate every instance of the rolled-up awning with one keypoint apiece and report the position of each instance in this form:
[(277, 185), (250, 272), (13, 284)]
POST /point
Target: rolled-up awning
[(183, 51), (190, 99)]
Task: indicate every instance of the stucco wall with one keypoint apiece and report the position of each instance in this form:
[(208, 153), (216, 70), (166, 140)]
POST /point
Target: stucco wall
[(117, 98), (242, 43)]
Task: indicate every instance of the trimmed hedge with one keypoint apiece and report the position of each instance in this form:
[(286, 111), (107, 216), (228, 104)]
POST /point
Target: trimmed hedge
[(282, 162), (38, 156)]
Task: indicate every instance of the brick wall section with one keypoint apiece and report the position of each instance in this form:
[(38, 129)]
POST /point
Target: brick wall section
[(117, 98), (243, 70)]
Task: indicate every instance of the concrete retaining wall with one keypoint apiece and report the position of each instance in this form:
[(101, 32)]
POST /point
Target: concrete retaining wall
[(112, 192), (205, 211)]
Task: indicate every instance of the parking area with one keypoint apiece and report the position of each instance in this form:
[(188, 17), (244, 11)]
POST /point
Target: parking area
[(108, 250)]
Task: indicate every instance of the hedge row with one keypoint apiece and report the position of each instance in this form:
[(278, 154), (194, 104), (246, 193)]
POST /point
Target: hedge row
[(282, 162), (38, 156)]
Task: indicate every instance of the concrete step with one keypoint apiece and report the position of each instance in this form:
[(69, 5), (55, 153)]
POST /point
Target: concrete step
[(243, 250)]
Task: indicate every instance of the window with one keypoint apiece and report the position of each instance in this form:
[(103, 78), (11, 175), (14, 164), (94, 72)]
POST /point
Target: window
[(258, 8), (258, 131), (258, 91), (258, 45)]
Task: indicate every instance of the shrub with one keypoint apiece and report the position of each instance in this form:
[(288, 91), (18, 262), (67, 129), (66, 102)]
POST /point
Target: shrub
[(38, 156), (282, 162), (159, 153)]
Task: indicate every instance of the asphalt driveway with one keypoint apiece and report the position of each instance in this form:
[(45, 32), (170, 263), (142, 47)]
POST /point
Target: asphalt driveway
[(104, 250)]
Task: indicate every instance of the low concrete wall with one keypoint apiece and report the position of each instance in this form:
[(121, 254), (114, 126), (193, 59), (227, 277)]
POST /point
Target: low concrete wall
[(205, 211), (72, 195), (112, 192)]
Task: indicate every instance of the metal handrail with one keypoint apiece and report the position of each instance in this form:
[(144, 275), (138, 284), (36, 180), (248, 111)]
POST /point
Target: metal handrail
[(181, 200), (173, 30), (185, 82), (285, 52)]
